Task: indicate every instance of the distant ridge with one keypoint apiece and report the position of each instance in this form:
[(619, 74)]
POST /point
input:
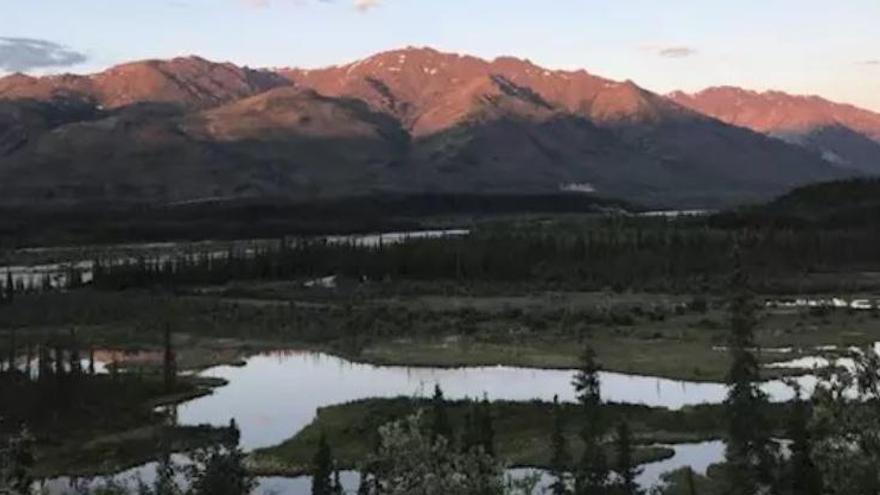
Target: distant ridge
[(409, 121), (844, 134)]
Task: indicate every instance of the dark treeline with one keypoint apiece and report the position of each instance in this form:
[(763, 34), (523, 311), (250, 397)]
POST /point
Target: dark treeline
[(274, 217), (618, 253), (54, 383), (846, 204)]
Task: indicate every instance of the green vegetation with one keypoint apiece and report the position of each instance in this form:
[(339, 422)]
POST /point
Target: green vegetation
[(523, 430), (424, 324), (839, 205), (79, 422), (647, 295)]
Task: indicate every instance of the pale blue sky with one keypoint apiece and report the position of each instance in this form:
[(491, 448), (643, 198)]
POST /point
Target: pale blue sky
[(825, 47)]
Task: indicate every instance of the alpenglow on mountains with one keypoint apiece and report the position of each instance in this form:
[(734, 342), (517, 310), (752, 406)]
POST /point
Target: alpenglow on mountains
[(405, 121)]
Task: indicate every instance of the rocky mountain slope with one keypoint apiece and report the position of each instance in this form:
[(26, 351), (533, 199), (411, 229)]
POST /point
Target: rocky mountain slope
[(843, 134), (411, 121)]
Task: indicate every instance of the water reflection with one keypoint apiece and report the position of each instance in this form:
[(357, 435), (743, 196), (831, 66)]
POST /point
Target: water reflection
[(275, 395), (57, 274)]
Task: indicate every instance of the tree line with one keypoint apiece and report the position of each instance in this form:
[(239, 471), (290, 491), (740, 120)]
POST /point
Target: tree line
[(640, 254), (832, 442)]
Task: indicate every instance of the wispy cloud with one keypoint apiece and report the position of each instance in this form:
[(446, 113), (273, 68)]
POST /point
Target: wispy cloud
[(24, 54), (873, 62), (365, 5), (676, 51), (668, 50), (361, 5)]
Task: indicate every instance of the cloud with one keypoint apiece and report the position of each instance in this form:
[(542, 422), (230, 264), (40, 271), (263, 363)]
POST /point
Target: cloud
[(870, 62), (365, 5), (676, 51), (24, 54), (361, 5)]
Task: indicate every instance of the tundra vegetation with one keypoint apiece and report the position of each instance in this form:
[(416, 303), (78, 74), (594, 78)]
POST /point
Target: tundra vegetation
[(642, 295)]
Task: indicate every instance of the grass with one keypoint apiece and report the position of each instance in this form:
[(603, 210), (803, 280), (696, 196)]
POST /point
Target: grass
[(103, 424), (522, 431), (433, 325), (114, 452)]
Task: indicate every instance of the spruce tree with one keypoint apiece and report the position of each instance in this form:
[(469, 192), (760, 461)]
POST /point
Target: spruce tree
[(486, 427), (322, 468), (592, 473), (13, 350), (169, 362), (220, 469), (804, 477), (91, 361), (560, 460), (626, 470), (338, 489), (470, 436), (691, 483), (74, 357), (750, 452), (10, 288), (440, 426)]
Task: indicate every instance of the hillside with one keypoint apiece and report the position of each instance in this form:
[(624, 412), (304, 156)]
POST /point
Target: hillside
[(845, 135), (412, 121), (843, 204)]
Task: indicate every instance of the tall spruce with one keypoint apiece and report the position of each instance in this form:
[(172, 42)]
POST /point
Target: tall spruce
[(803, 476), (337, 489), (13, 350), (440, 426), (691, 482), (220, 469), (592, 472), (750, 450), (625, 467), (9, 293), (322, 468), (560, 460), (486, 427), (169, 361)]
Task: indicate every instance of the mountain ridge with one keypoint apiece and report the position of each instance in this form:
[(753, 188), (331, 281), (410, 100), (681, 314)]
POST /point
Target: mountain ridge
[(403, 121)]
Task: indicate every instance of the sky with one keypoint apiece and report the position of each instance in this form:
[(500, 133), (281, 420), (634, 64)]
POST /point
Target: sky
[(823, 47)]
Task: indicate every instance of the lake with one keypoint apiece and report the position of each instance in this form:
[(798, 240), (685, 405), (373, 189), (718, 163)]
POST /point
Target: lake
[(276, 394)]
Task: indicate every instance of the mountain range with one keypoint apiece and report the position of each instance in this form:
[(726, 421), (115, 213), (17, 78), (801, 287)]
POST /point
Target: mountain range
[(409, 121)]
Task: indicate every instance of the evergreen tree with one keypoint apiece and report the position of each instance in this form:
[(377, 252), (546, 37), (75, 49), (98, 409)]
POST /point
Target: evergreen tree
[(750, 452), (592, 472), (338, 489), (626, 470), (691, 483), (73, 355), (166, 483), (365, 487), (169, 362), (804, 477), (322, 468), (10, 288), (17, 463), (560, 461), (486, 427), (13, 350), (440, 426), (220, 470)]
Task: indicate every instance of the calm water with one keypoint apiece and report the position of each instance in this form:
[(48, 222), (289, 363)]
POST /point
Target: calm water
[(81, 259), (274, 395), (699, 456)]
